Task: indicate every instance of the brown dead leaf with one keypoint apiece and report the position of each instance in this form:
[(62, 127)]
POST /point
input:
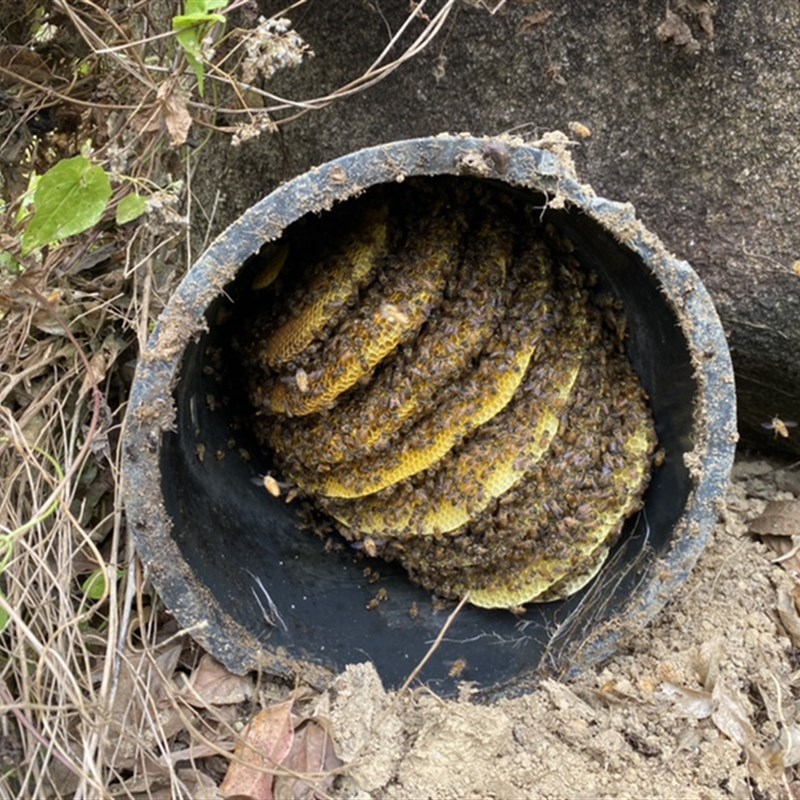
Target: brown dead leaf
[(138, 707), (790, 619), (563, 698), (194, 784), (786, 480), (175, 112), (313, 757), (100, 362), (779, 528), (707, 662), (780, 518), (787, 551), (727, 713), (784, 752), (264, 745), (44, 317), (211, 684), (691, 702), (730, 717)]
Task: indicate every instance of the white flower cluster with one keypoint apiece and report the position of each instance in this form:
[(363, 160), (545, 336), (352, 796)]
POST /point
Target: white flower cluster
[(163, 206), (272, 45), (260, 123), (118, 157)]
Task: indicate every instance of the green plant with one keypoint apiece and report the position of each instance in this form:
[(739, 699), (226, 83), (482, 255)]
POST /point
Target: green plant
[(69, 198), (191, 29)]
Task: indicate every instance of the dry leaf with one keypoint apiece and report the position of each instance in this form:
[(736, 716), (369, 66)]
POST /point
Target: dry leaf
[(731, 719), (707, 663), (312, 753), (786, 480), (175, 112), (44, 318), (136, 710), (211, 684), (780, 518), (779, 528), (264, 745), (692, 702), (784, 752), (100, 363), (786, 549), (194, 784), (790, 619)]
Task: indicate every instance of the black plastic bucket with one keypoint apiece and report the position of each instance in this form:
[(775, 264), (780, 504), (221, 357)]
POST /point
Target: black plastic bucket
[(230, 561)]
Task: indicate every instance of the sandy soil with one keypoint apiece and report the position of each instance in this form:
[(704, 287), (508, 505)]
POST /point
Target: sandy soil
[(705, 703)]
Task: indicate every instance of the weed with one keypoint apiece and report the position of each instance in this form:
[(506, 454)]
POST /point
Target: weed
[(98, 101)]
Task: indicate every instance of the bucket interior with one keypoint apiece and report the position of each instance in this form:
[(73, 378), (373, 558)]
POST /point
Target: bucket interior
[(250, 551)]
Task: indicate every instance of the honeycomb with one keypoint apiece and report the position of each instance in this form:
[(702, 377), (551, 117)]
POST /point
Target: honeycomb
[(438, 375)]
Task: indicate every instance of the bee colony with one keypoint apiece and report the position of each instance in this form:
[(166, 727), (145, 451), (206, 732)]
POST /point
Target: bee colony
[(437, 374)]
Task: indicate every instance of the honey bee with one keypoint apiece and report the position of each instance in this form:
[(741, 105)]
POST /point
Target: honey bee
[(370, 548), (381, 596), (580, 130), (301, 379), (291, 495), (458, 668), (271, 485), (779, 427)]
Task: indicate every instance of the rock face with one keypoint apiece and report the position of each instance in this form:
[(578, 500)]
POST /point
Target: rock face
[(693, 114)]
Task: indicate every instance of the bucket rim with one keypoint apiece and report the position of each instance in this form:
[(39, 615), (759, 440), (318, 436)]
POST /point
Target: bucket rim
[(544, 167)]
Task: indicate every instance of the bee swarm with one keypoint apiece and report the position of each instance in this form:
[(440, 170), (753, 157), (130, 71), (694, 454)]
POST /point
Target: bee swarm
[(436, 373)]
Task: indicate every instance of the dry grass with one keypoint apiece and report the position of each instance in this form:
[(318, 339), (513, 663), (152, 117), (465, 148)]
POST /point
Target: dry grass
[(93, 696)]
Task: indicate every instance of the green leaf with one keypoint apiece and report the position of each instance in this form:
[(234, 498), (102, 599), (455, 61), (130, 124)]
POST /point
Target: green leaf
[(191, 45), (95, 587), (9, 264), (190, 29), (131, 207), (4, 615), (69, 198)]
